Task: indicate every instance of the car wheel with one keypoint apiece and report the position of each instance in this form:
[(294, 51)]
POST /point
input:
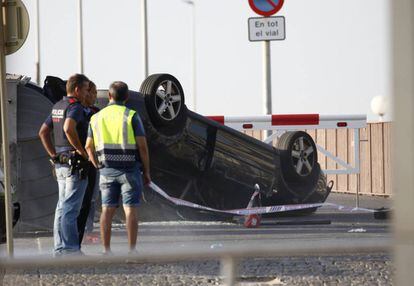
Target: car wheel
[(321, 192), (164, 99), (298, 155)]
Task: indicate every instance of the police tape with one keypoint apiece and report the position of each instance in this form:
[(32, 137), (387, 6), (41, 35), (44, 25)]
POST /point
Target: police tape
[(257, 210)]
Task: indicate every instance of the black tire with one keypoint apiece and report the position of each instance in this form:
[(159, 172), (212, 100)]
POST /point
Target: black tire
[(164, 99), (299, 156), (320, 194), (322, 191)]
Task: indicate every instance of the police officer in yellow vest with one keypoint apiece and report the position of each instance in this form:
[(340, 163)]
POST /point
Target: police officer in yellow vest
[(117, 145)]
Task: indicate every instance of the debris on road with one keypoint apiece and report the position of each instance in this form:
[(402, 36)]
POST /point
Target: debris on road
[(357, 230)]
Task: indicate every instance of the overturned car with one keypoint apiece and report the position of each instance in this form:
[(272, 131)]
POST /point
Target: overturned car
[(199, 160), (192, 157)]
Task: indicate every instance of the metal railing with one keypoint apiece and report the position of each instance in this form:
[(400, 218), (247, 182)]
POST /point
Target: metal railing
[(229, 258)]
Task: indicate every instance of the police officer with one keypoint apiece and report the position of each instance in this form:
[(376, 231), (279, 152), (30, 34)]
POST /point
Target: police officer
[(68, 124), (87, 211), (116, 136)]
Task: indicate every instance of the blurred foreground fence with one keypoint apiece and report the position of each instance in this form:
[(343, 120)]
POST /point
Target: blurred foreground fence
[(375, 156)]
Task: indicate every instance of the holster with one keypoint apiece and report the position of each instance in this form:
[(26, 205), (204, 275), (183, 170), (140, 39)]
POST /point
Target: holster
[(78, 164), (52, 163)]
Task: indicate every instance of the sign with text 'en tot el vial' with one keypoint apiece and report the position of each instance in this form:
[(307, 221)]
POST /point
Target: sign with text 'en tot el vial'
[(267, 29)]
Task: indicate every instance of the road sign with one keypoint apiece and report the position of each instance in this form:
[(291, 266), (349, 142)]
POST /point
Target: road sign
[(267, 29), (16, 26), (266, 7)]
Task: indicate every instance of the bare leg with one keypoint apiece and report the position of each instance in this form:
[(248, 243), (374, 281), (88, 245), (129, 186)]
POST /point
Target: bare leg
[(131, 215), (106, 226)]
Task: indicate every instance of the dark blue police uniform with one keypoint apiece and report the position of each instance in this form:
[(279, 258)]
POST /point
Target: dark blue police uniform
[(71, 185)]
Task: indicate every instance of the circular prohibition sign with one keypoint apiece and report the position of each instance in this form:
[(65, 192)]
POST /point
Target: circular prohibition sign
[(266, 7)]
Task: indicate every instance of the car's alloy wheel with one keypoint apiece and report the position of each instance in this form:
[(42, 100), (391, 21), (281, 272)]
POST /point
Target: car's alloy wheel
[(303, 153), (164, 99), (298, 155), (168, 100)]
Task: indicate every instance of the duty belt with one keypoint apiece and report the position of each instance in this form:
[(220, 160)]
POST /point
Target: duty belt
[(76, 163)]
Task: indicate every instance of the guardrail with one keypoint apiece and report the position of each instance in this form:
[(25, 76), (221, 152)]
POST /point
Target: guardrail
[(228, 258)]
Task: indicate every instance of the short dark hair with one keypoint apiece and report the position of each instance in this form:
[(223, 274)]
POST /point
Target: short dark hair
[(92, 85), (75, 81), (118, 91)]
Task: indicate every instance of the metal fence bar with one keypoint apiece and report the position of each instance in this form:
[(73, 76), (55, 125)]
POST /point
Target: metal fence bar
[(234, 253), (229, 270), (357, 166), (356, 151), (348, 168), (402, 41), (274, 136)]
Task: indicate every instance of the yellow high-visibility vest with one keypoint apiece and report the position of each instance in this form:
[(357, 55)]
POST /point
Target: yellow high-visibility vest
[(113, 136)]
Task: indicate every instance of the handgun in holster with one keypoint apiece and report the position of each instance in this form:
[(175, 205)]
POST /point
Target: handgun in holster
[(78, 164)]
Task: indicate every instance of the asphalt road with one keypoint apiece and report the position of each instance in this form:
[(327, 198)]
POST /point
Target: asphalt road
[(328, 228)]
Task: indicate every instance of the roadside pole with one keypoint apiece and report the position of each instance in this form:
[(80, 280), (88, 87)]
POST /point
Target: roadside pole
[(267, 81), (194, 53), (194, 59), (5, 142), (37, 43), (266, 29), (402, 39), (80, 36), (144, 36)]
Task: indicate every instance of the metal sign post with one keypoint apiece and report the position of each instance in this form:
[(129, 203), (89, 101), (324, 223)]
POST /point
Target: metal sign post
[(267, 78), (37, 42), (194, 53), (266, 29), (144, 36), (80, 36)]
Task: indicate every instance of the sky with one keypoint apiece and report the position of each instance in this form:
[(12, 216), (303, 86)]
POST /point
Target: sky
[(336, 56)]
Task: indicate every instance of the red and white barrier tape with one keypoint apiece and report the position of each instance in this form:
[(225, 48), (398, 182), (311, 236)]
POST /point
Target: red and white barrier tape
[(256, 210)]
